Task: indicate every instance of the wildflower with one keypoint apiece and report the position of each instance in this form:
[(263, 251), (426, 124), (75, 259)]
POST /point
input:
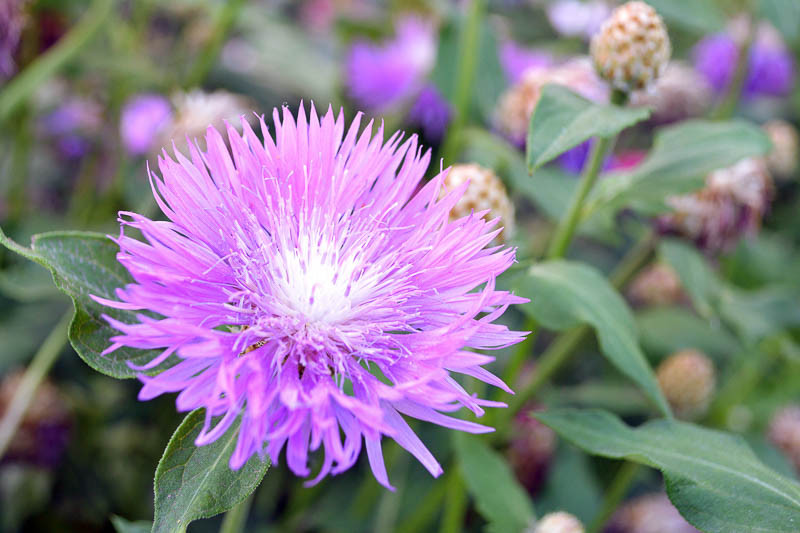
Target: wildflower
[(485, 195), (632, 48), (687, 379), (559, 522), (782, 160), (430, 112), (679, 93), (770, 67), (143, 118), (651, 513), (312, 287), (12, 19), (383, 76), (657, 285), (784, 432), (516, 60), (731, 205), (73, 125), (573, 18)]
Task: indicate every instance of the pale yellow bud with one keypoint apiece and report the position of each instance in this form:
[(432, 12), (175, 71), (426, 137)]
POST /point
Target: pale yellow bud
[(687, 379), (484, 192)]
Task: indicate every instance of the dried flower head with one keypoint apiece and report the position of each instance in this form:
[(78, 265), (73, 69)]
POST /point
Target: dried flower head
[(652, 513), (485, 195), (784, 432), (731, 205), (196, 110), (632, 48), (782, 160), (658, 284), (311, 287), (518, 103), (679, 93), (687, 379), (559, 522)]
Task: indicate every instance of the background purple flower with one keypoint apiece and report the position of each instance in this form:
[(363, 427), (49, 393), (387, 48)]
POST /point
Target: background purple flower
[(11, 22), (311, 285), (517, 59), (574, 18), (381, 76), (431, 112), (143, 118), (72, 125)]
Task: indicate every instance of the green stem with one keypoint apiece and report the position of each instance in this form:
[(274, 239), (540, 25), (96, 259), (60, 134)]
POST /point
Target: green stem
[(35, 373), (236, 518), (20, 165), (223, 24), (465, 76), (23, 86), (24, 251), (426, 511), (615, 493), (455, 503), (728, 105), (389, 505)]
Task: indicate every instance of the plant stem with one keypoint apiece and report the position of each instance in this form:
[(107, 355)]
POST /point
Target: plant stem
[(426, 511), (728, 105), (615, 493), (455, 503), (222, 25), (34, 374), (465, 76), (22, 86), (236, 518)]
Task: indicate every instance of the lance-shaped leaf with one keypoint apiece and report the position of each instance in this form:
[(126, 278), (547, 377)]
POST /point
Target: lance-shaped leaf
[(195, 482), (681, 158), (565, 294), (699, 16), (499, 497), (126, 526), (563, 120), (713, 478)]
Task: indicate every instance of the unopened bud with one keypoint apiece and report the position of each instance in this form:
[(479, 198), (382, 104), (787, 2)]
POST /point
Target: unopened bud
[(784, 433), (782, 160), (687, 379), (652, 513), (656, 285), (484, 192), (632, 48), (559, 522)]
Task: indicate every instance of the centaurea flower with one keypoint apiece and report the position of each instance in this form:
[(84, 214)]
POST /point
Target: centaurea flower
[(311, 285)]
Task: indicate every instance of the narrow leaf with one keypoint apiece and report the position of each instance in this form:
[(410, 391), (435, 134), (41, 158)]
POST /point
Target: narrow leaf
[(699, 16), (713, 478), (700, 282), (564, 294), (125, 526), (499, 497), (195, 482), (563, 120)]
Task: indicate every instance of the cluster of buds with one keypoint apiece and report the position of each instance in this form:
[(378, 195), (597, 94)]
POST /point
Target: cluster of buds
[(42, 436), (687, 379), (782, 160), (731, 205), (558, 522), (784, 433), (485, 192), (656, 285), (652, 513), (632, 48), (518, 103), (679, 93)]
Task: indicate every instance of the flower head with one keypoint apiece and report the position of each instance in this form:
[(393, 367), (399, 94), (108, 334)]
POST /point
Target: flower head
[(430, 112), (687, 379), (143, 118), (382, 76), (311, 285), (559, 522), (573, 18), (782, 159)]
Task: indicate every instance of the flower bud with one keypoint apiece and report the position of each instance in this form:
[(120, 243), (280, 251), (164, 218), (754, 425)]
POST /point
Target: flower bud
[(531, 450), (484, 192), (44, 430), (632, 48), (782, 160), (656, 285), (559, 522), (687, 379), (652, 513), (784, 433)]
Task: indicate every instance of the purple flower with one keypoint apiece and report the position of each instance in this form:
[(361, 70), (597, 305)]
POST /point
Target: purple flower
[(770, 68), (73, 124), (517, 59), (312, 285), (143, 118), (381, 76), (574, 159), (431, 112), (573, 18)]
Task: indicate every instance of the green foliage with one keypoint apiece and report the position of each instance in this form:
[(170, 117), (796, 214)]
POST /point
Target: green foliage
[(563, 120), (698, 16), (713, 478), (565, 294), (125, 526), (500, 499), (195, 482), (665, 330), (784, 15)]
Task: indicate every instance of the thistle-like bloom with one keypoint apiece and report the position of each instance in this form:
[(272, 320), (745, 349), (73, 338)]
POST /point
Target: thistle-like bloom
[(311, 285)]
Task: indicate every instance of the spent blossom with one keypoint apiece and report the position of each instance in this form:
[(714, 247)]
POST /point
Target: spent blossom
[(312, 286)]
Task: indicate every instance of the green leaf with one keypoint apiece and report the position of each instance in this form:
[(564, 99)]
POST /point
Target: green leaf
[(759, 313), (698, 16), (563, 120), (125, 526), (681, 157), (666, 330), (700, 282), (85, 264), (713, 478), (500, 499), (195, 482), (784, 15), (565, 294)]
